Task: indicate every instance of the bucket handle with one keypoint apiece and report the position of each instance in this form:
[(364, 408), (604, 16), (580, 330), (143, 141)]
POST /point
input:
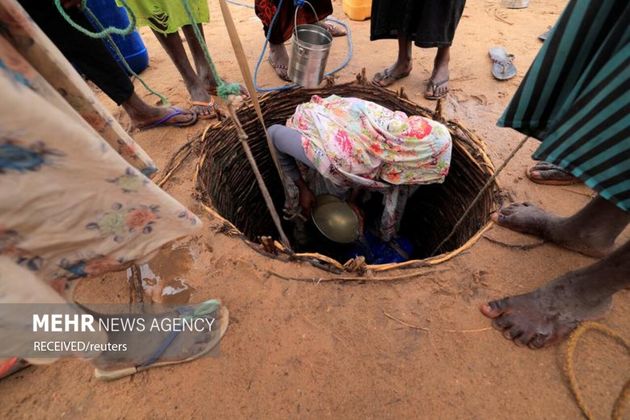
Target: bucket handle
[(296, 13)]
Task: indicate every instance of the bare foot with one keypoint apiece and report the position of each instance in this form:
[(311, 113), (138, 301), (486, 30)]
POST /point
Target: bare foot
[(145, 115), (571, 233), (549, 174), (334, 28), (548, 314), (437, 87), (203, 105), (399, 70), (279, 60)]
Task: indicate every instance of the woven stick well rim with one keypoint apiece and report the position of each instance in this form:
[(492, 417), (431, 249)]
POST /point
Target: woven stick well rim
[(471, 147)]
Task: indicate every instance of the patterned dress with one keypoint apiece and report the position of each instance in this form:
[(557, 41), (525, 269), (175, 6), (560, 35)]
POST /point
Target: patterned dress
[(70, 204), (356, 143)]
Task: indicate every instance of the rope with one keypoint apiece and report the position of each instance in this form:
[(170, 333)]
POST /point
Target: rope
[(224, 90), (106, 34), (569, 369), (480, 194), (261, 57), (103, 32), (247, 77)]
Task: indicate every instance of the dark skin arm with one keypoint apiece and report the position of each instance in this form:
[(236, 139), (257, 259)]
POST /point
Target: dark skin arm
[(307, 198)]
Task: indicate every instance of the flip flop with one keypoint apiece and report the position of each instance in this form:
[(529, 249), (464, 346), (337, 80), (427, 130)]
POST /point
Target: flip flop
[(166, 120), (502, 66), (385, 78), (332, 27), (434, 88), (10, 366), (208, 105), (550, 174), (152, 361), (543, 37), (281, 70)]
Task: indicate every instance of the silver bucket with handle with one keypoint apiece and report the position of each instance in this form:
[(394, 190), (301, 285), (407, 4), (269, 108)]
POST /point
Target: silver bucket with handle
[(311, 45)]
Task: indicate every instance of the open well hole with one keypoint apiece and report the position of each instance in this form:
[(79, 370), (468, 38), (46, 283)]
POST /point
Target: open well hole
[(226, 182)]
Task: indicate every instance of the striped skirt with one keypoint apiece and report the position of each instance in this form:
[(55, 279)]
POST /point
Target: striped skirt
[(575, 97)]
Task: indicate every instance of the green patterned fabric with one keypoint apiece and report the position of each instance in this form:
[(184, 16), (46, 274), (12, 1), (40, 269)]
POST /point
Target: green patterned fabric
[(575, 97), (167, 16)]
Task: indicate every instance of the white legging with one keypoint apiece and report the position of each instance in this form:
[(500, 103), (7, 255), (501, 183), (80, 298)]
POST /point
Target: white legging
[(288, 143)]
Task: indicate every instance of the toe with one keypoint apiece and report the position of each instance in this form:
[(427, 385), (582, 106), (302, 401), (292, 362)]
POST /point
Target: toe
[(512, 208), (501, 216), (502, 323), (538, 341), (494, 308), (525, 338), (512, 333)]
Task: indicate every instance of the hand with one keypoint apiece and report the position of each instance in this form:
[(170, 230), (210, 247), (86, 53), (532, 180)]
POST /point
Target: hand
[(307, 201)]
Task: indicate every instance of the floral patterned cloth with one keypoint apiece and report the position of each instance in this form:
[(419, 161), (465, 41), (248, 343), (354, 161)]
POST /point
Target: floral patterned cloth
[(45, 67), (70, 204), (357, 143)]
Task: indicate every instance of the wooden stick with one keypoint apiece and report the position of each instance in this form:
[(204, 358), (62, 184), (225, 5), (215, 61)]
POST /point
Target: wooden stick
[(525, 247), (261, 182), (135, 284), (241, 59), (417, 327), (355, 278), (481, 192)]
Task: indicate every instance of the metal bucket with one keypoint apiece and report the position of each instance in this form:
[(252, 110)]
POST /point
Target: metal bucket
[(311, 45)]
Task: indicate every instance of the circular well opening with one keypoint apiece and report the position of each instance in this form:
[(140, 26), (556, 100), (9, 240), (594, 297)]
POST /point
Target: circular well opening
[(226, 182)]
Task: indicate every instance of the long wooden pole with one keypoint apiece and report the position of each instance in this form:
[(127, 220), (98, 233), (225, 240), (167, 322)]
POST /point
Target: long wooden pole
[(249, 83), (247, 78), (242, 136)]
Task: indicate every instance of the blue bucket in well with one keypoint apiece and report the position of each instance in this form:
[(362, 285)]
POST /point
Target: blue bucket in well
[(131, 46)]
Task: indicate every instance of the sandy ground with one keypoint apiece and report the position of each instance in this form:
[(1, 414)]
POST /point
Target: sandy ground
[(303, 350)]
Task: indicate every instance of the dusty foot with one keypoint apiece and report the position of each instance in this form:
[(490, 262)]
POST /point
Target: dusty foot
[(549, 174), (203, 105), (548, 314), (566, 232), (334, 28), (279, 60), (399, 70)]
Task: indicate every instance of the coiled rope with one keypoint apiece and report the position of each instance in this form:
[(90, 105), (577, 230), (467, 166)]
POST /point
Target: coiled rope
[(569, 369)]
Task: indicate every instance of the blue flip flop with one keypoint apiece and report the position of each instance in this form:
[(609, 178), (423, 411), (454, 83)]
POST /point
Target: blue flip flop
[(502, 66), (165, 120), (207, 308)]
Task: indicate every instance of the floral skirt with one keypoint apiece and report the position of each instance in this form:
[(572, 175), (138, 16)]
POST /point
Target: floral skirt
[(70, 204)]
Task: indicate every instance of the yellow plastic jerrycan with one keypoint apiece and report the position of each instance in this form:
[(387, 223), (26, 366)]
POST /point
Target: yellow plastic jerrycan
[(357, 9)]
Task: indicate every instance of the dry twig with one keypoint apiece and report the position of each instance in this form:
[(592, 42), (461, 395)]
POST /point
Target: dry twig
[(416, 327)]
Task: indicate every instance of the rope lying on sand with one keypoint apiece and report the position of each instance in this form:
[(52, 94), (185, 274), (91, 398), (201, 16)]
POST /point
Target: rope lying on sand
[(569, 369)]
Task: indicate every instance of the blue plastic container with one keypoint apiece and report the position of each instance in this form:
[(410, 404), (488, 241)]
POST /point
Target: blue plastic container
[(131, 46)]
